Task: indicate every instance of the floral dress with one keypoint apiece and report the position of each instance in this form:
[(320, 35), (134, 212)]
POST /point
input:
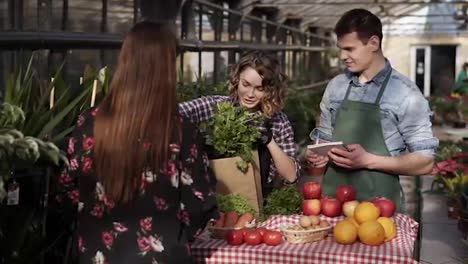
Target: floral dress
[(171, 208)]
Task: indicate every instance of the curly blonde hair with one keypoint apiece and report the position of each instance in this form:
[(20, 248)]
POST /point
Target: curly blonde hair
[(274, 81)]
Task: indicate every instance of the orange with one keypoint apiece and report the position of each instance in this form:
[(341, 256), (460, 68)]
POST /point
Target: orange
[(345, 232), (371, 233), (352, 220), (389, 227), (366, 211)]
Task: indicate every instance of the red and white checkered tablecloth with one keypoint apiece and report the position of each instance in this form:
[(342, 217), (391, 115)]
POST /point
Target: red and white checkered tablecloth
[(399, 250)]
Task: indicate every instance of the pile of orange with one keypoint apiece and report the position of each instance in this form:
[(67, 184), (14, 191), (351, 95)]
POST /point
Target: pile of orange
[(365, 225)]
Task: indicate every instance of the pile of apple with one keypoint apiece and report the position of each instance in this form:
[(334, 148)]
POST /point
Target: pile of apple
[(345, 202)]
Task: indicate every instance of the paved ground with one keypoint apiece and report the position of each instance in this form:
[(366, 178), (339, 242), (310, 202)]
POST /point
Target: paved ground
[(441, 241)]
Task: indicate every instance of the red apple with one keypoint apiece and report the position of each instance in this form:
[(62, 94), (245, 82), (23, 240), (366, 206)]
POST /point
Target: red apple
[(387, 207), (312, 190), (331, 207), (345, 193), (311, 207), (348, 207), (325, 198)]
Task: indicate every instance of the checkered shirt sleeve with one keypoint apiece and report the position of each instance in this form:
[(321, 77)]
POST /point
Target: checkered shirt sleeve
[(284, 136), (201, 109)]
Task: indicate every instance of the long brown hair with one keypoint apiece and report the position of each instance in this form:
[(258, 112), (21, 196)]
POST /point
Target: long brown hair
[(274, 80), (136, 121)]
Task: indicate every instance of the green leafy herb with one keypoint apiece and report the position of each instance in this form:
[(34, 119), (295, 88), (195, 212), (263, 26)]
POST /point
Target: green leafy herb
[(234, 202), (285, 201), (232, 132)]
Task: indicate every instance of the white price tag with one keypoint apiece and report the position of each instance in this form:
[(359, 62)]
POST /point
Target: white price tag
[(13, 193)]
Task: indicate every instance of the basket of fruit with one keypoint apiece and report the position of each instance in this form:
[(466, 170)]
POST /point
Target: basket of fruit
[(309, 229), (230, 221)]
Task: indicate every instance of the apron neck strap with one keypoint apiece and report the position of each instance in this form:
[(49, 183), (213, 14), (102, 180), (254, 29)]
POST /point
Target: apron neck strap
[(348, 90), (382, 88)]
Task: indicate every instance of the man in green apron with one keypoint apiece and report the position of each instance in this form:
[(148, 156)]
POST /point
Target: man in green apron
[(377, 112)]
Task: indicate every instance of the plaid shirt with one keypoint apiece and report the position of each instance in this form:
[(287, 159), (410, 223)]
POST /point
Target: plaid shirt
[(201, 109)]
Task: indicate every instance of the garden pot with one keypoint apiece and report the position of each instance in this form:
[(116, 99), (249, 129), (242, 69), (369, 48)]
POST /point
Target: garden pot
[(463, 223), (459, 124), (453, 208)]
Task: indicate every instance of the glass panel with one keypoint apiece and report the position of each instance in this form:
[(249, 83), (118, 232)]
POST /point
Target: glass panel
[(58, 22), (190, 66), (208, 32), (223, 66), (30, 20), (119, 16), (84, 16), (207, 65), (4, 16)]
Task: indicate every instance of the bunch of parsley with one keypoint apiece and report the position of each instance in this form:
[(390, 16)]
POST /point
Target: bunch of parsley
[(284, 201), (234, 202), (233, 132)]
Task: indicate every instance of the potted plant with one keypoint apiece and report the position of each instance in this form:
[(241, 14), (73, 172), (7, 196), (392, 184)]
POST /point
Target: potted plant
[(232, 135), (37, 116), (452, 174), (463, 219), (448, 110), (453, 187), (21, 227)]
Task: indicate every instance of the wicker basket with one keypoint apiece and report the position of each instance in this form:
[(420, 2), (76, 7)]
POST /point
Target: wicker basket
[(220, 232), (305, 236)]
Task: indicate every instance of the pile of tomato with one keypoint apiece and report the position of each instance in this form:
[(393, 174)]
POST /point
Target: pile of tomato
[(254, 236)]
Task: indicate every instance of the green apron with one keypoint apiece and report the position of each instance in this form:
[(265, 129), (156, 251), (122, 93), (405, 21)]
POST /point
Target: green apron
[(360, 123)]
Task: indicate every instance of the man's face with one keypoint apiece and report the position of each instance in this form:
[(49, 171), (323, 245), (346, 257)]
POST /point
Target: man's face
[(356, 55)]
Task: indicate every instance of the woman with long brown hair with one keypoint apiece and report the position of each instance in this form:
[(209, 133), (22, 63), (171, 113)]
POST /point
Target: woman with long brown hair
[(144, 188)]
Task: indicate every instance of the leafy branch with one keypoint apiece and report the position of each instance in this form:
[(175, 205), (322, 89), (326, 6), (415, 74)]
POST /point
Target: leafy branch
[(232, 132)]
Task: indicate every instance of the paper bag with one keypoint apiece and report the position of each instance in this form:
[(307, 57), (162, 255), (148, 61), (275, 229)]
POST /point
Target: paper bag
[(232, 180)]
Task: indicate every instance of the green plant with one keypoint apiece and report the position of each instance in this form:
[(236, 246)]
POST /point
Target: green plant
[(233, 202), (284, 201), (201, 87), (448, 109), (447, 149), (18, 150), (302, 109), (454, 185), (43, 119), (233, 132)]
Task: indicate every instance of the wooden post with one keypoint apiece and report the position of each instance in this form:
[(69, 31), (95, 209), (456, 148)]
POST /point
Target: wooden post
[(93, 95), (52, 94)]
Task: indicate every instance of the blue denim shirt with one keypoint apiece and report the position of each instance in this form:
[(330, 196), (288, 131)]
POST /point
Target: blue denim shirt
[(406, 116)]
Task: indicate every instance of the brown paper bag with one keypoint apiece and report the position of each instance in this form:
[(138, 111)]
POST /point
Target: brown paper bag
[(232, 180)]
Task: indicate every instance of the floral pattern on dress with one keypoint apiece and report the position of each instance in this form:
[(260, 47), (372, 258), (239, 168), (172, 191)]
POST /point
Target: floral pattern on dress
[(146, 230)]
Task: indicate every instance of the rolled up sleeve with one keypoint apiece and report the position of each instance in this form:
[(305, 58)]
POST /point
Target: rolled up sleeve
[(284, 137), (415, 125), (325, 130)]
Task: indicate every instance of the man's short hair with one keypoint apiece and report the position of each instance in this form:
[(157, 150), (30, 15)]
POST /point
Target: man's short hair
[(361, 21)]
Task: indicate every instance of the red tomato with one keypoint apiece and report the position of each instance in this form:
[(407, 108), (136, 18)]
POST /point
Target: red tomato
[(272, 238), (253, 237), (235, 237), (244, 230), (262, 231)]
